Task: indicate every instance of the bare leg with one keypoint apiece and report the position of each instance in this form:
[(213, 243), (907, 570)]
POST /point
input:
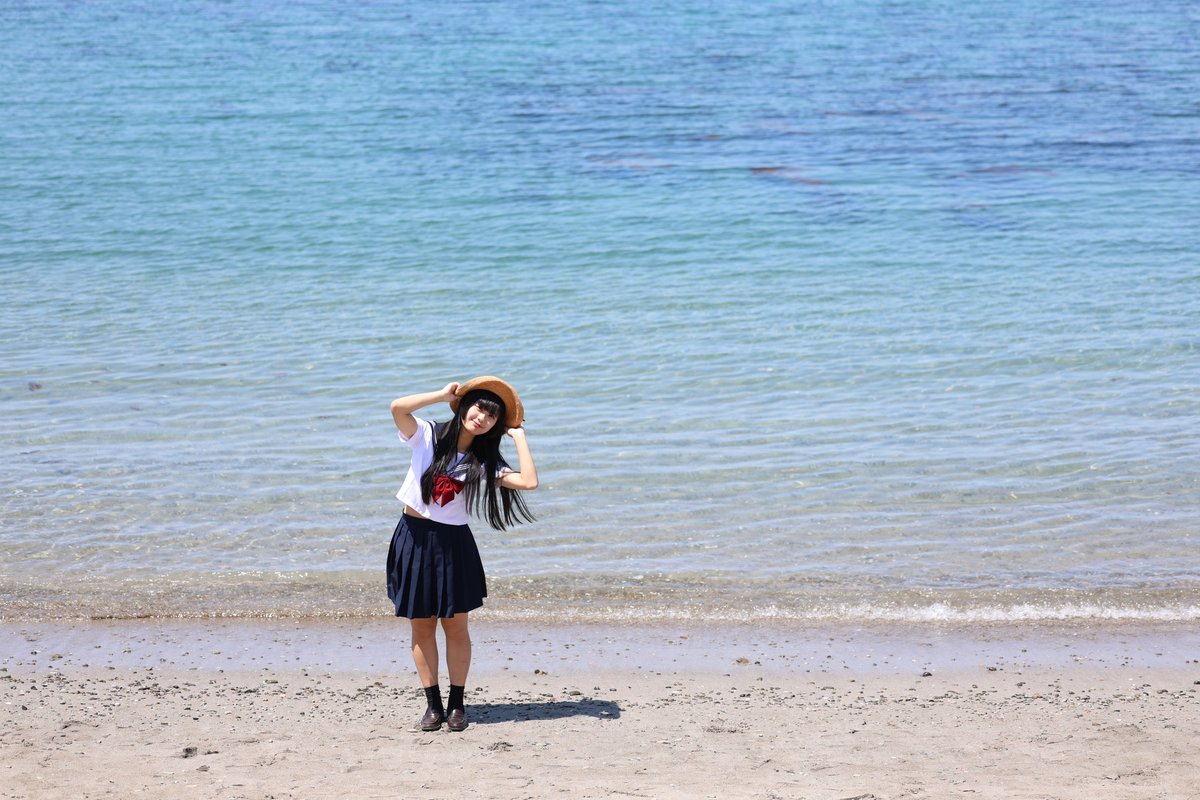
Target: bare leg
[(458, 648), (425, 650)]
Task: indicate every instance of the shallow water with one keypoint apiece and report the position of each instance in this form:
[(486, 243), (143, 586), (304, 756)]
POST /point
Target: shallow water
[(883, 312)]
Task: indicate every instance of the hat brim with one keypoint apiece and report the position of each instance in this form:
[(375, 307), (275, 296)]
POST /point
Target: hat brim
[(514, 411)]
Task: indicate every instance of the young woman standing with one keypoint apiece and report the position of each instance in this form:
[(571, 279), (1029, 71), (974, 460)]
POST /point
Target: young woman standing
[(433, 569)]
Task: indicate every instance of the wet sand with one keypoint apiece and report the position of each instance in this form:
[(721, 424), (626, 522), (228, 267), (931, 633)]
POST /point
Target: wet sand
[(309, 709)]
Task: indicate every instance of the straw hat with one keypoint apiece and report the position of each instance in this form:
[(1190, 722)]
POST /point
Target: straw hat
[(515, 412)]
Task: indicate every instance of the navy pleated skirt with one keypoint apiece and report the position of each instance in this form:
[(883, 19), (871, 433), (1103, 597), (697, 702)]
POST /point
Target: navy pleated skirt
[(434, 569)]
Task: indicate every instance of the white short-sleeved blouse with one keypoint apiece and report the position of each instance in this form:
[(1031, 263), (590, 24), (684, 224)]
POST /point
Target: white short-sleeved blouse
[(449, 504)]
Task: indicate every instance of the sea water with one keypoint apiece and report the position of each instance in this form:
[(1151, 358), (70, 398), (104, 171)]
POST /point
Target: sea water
[(819, 311)]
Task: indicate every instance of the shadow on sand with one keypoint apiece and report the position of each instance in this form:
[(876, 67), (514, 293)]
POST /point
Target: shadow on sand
[(492, 713)]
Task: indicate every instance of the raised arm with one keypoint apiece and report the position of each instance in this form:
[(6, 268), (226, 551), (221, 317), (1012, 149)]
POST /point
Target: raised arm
[(526, 477), (403, 407)]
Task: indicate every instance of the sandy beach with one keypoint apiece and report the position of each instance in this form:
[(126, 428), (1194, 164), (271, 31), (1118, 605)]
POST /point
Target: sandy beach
[(288, 709)]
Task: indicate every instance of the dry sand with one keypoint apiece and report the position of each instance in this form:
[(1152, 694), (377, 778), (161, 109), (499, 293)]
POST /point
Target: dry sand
[(240, 709)]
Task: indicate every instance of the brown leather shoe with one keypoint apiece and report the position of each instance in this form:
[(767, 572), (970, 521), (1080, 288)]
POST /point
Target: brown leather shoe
[(456, 720), (432, 721)]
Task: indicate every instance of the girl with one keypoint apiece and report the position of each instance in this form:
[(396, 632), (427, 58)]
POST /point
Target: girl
[(433, 569)]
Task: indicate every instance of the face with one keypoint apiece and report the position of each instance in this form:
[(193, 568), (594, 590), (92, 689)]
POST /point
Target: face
[(478, 421)]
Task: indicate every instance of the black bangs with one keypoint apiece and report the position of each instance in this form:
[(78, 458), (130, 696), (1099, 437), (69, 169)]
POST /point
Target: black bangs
[(490, 406)]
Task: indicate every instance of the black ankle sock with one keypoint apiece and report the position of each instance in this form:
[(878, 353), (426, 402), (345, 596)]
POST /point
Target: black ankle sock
[(433, 695), (456, 697)]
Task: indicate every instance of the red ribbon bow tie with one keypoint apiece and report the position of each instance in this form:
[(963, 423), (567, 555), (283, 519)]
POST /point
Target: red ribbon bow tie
[(444, 489)]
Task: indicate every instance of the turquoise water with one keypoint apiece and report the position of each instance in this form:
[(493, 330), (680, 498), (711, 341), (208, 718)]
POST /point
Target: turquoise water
[(827, 312)]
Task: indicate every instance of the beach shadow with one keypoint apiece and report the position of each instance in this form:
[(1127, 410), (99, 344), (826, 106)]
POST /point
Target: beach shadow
[(493, 713)]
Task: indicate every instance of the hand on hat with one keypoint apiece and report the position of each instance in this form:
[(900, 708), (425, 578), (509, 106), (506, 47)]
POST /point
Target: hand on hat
[(450, 392)]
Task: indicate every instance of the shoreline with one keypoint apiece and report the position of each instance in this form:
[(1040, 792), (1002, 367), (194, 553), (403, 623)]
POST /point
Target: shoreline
[(327, 709), (532, 602)]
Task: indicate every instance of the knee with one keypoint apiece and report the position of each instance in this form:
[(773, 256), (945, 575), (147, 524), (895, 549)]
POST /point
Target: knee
[(423, 632), (459, 634)]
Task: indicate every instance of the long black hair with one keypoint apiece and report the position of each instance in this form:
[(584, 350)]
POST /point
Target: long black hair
[(502, 508)]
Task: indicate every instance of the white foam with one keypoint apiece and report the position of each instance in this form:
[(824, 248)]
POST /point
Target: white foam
[(865, 614)]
